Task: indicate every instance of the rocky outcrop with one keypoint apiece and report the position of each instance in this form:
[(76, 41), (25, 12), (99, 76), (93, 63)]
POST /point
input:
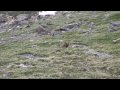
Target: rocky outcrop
[(66, 28), (22, 17), (8, 23), (114, 26), (71, 26)]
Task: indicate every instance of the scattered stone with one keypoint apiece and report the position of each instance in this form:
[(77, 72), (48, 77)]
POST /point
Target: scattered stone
[(29, 56), (85, 31), (98, 54), (3, 18), (117, 23), (54, 33), (116, 41), (23, 66), (77, 46), (73, 25), (92, 25), (7, 75), (34, 46), (42, 31), (22, 17), (66, 28), (114, 26)]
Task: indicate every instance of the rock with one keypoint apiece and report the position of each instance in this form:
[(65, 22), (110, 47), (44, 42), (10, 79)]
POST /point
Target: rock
[(42, 31), (110, 29), (9, 25), (25, 22), (117, 23), (116, 41), (98, 54), (23, 66), (78, 46), (34, 19), (29, 56), (73, 25), (54, 33), (114, 26), (7, 75), (22, 17), (45, 26), (85, 31), (34, 46), (3, 18), (68, 27), (92, 25)]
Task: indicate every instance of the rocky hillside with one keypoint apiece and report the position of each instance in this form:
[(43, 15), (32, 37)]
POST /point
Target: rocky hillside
[(69, 45)]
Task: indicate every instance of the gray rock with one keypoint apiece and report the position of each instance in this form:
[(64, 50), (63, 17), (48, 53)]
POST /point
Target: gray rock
[(117, 23), (111, 29), (42, 31), (7, 75), (22, 17), (23, 65), (29, 56), (100, 55), (114, 26), (3, 18), (92, 25), (66, 28), (116, 41), (54, 33), (34, 46), (85, 31), (73, 25)]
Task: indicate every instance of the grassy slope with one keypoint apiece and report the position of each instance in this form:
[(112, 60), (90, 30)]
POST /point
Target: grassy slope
[(59, 62)]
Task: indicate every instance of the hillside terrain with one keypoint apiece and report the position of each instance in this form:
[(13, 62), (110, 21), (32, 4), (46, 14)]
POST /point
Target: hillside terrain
[(68, 45)]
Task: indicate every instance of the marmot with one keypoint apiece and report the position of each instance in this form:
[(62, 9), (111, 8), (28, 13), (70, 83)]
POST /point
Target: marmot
[(65, 45)]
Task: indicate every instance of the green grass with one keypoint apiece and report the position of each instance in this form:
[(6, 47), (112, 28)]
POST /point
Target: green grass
[(58, 62), (115, 17)]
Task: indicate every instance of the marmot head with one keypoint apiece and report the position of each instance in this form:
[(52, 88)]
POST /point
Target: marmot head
[(65, 45)]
